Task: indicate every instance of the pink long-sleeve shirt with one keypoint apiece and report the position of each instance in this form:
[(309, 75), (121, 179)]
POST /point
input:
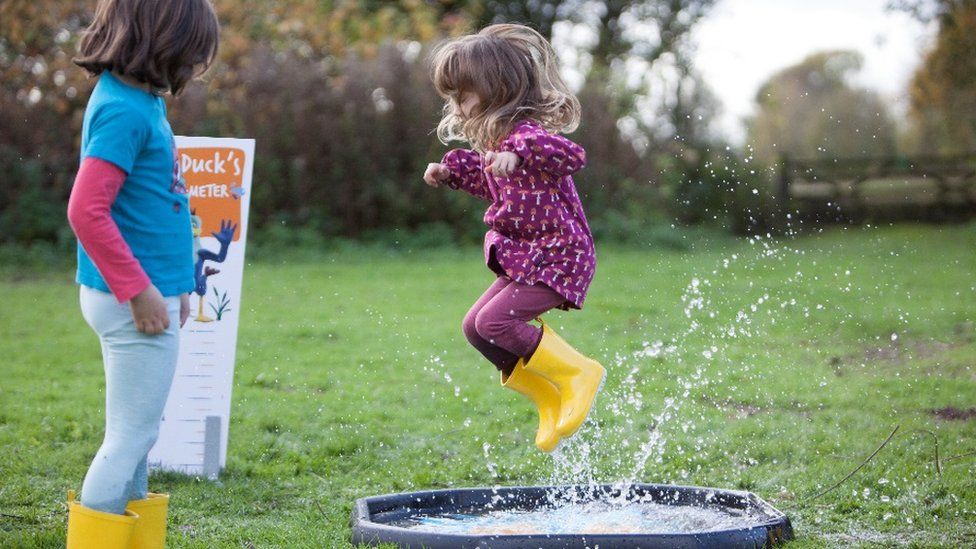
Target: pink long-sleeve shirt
[(537, 229), (89, 212)]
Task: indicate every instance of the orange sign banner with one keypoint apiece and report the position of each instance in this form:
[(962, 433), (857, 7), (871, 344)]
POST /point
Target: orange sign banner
[(215, 182)]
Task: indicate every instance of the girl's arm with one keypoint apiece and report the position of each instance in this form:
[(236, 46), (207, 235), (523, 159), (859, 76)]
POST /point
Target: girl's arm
[(96, 186), (466, 173), (541, 150)]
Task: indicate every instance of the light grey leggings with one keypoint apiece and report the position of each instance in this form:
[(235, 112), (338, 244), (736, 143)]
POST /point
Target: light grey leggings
[(139, 371)]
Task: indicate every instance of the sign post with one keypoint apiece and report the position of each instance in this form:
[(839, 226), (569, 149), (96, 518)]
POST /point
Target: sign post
[(193, 432)]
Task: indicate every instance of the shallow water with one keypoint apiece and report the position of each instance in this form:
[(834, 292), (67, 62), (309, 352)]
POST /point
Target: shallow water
[(590, 518)]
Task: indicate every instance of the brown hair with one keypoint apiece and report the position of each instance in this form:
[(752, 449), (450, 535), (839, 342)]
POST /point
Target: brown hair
[(160, 42), (513, 70)]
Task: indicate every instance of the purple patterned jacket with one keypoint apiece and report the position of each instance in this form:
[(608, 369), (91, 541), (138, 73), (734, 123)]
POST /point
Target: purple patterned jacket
[(537, 229)]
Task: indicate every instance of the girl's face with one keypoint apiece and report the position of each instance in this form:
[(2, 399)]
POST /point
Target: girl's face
[(467, 103)]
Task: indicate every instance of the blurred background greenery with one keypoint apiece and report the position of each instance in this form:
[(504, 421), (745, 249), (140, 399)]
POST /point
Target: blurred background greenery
[(337, 95)]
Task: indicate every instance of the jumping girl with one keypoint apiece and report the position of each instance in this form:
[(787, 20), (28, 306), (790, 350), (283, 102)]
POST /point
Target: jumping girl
[(505, 97), (129, 209)]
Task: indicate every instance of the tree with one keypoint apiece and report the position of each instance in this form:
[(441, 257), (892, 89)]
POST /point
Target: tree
[(338, 94), (943, 89), (812, 110), (42, 93), (662, 23), (646, 110)]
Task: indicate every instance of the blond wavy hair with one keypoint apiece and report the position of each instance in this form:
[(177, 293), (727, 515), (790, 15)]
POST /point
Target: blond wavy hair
[(513, 71)]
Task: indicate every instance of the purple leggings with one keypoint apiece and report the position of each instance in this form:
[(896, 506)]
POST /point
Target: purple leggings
[(497, 324)]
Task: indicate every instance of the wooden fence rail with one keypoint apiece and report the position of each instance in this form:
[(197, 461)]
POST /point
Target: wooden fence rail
[(855, 189)]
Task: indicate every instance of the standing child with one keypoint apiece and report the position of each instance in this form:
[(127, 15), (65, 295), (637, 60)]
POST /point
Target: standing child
[(130, 212), (505, 96)]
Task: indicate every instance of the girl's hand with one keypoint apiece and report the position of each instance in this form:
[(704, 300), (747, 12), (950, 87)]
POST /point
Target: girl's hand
[(502, 164), (184, 308), (149, 311), (436, 174)]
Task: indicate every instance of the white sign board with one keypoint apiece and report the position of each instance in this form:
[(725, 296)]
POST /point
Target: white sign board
[(193, 432)]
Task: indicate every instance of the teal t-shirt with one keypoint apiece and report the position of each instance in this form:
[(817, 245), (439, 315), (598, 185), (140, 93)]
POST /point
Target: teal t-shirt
[(127, 127)]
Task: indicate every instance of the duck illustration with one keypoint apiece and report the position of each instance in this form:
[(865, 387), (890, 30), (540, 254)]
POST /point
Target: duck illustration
[(201, 271)]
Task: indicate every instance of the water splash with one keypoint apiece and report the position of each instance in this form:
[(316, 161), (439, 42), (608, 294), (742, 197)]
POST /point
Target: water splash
[(492, 468), (595, 517), (629, 431)]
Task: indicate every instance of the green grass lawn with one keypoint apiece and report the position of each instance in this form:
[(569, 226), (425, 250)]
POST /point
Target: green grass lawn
[(776, 367)]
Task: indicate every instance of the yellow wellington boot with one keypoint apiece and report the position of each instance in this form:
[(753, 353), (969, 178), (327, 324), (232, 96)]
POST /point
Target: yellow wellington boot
[(546, 399), (577, 378), (150, 531), (91, 529)]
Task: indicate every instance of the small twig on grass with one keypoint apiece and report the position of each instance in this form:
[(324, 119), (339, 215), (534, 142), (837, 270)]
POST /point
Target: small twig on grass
[(856, 469), (318, 476), (5, 515), (960, 456), (322, 511), (938, 462)]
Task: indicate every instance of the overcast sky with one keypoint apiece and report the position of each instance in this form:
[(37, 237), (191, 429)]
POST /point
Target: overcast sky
[(743, 42)]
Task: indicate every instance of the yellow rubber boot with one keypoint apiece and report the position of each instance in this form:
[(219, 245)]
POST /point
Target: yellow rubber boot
[(91, 529), (577, 378), (150, 531), (546, 399)]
